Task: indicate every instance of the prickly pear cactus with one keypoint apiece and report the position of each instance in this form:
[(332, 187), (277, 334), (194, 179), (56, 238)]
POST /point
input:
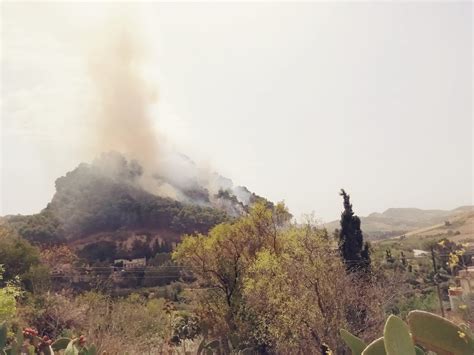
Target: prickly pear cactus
[(377, 347), (60, 344), (439, 334), (427, 330), (396, 337), (77, 346), (354, 343), (28, 342)]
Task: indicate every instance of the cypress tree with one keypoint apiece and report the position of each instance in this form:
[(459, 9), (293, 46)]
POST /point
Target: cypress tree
[(355, 253)]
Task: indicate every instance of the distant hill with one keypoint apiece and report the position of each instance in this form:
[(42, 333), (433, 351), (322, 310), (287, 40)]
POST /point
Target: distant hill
[(398, 221), (459, 228)]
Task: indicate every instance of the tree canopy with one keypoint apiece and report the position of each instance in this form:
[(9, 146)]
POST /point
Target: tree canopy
[(87, 202), (16, 255), (274, 285)]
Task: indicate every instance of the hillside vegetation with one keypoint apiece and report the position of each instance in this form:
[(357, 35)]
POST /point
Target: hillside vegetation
[(109, 209), (254, 284), (458, 229), (105, 197)]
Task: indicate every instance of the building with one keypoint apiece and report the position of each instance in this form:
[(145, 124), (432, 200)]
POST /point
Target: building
[(466, 282), (462, 295)]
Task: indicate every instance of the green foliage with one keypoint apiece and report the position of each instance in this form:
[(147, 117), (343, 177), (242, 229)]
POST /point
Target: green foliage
[(25, 342), (37, 279), (17, 345), (8, 294), (134, 324), (42, 345), (41, 228), (185, 327), (275, 286), (16, 254), (105, 196), (425, 302), (77, 347), (220, 259), (7, 303)]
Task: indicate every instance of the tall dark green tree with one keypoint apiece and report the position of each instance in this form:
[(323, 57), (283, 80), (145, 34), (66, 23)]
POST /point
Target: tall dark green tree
[(355, 253)]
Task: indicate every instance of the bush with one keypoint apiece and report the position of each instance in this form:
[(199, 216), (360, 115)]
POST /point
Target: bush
[(16, 254), (8, 294)]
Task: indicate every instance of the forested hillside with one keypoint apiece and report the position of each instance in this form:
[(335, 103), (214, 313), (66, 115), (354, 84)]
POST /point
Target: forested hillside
[(108, 195)]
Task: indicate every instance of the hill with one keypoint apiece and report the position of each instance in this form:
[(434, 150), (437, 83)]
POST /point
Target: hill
[(398, 221), (459, 229), (113, 197)]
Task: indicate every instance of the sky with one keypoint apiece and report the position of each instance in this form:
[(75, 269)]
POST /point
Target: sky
[(292, 100)]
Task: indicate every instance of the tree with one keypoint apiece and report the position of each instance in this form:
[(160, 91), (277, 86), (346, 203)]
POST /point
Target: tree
[(16, 254), (355, 253), (59, 258), (270, 285), (38, 279), (220, 260), (103, 250), (8, 294), (296, 302)]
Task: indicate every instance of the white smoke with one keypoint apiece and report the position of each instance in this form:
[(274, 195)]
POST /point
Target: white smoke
[(125, 97)]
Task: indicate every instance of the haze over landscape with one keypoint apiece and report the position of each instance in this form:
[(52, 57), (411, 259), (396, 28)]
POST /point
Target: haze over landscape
[(293, 101), (236, 178)]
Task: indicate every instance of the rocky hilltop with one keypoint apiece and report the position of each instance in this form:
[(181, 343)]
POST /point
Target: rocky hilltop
[(114, 195)]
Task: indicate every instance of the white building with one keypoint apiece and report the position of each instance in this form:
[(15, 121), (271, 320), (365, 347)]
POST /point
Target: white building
[(466, 281)]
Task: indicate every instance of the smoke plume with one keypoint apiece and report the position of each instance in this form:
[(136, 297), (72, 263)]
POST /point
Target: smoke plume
[(124, 97), (123, 94)]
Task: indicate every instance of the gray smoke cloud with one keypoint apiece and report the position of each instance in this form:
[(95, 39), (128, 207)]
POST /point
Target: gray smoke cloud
[(124, 124), (123, 94)]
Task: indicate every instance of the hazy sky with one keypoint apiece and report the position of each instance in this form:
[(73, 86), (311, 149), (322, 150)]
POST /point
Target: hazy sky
[(293, 100)]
